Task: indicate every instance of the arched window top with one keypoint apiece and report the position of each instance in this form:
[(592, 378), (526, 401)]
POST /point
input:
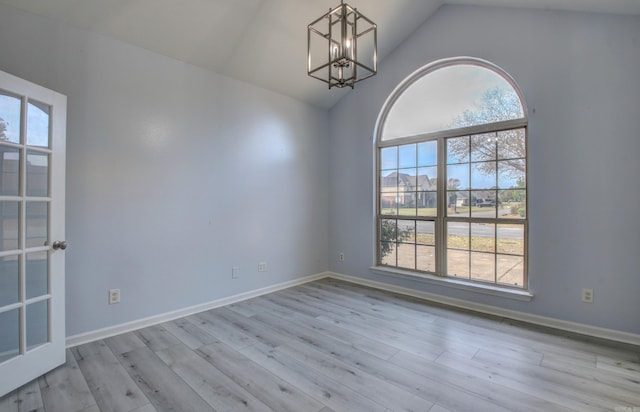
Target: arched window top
[(448, 95)]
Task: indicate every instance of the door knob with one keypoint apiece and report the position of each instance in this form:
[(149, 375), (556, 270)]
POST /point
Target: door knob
[(59, 244)]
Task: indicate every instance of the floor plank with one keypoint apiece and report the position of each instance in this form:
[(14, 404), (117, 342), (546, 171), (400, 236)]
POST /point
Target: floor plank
[(211, 384), (110, 384), (166, 390), (278, 394), (65, 390)]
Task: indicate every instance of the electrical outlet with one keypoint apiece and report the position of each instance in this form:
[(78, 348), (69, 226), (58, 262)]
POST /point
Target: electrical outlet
[(114, 296), (587, 295), (262, 267), (235, 272), (341, 257)]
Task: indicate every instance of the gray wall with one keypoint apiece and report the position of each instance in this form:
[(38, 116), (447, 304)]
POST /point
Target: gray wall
[(174, 175), (580, 78)]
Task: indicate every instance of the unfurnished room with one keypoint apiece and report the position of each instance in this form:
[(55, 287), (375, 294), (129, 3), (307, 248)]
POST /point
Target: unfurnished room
[(317, 206)]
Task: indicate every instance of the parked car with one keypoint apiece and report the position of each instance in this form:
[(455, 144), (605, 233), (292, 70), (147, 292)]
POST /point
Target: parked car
[(485, 203)]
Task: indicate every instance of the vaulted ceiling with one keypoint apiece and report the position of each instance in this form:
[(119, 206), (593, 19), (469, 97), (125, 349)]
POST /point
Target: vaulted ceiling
[(262, 42)]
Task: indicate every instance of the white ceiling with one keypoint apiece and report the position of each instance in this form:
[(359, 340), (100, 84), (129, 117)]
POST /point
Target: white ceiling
[(262, 42)]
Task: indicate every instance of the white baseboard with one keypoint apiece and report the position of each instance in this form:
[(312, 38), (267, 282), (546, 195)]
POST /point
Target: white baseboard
[(94, 335), (580, 328)]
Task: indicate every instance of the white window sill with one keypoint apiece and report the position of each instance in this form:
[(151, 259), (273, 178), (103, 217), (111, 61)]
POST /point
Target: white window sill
[(494, 290)]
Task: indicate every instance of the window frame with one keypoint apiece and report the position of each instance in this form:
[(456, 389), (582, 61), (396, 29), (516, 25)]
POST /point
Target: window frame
[(441, 219)]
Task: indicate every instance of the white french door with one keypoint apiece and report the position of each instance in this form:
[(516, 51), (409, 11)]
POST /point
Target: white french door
[(32, 195)]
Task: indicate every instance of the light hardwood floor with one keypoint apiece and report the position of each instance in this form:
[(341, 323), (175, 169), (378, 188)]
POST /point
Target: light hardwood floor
[(335, 346)]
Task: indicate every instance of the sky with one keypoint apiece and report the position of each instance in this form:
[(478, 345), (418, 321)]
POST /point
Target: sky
[(433, 102)]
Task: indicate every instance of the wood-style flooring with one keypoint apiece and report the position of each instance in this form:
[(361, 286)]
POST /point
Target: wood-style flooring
[(336, 346)]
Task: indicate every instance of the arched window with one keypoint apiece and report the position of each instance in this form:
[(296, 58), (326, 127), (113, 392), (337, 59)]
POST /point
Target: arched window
[(452, 175)]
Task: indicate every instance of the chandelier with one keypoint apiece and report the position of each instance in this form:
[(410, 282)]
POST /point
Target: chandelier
[(342, 47)]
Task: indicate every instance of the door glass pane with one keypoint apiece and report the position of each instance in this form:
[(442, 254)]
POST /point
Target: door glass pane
[(9, 213), (38, 115), (9, 280), (37, 223), (37, 325), (37, 174), (9, 117), (37, 270), (10, 336), (9, 171)]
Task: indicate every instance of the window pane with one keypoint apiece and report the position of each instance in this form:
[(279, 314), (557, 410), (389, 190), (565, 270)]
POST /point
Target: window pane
[(483, 237), (483, 147), (407, 156), (406, 256), (428, 178), (458, 263), (428, 153), (38, 124), (9, 213), (37, 222), (407, 180), (10, 107), (388, 230), (406, 231), (388, 253), (407, 203), (389, 182), (511, 144), (9, 171), (513, 204), (9, 280), (37, 174), (458, 235), (510, 239), (427, 203), (458, 150), (389, 158), (512, 174), (483, 266), (459, 204), (483, 175), (37, 271), (426, 258), (426, 233), (458, 177), (388, 203), (483, 203), (510, 270), (37, 324), (10, 336)]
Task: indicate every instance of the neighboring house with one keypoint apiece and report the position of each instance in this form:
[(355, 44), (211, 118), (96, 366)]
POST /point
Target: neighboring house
[(410, 190)]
